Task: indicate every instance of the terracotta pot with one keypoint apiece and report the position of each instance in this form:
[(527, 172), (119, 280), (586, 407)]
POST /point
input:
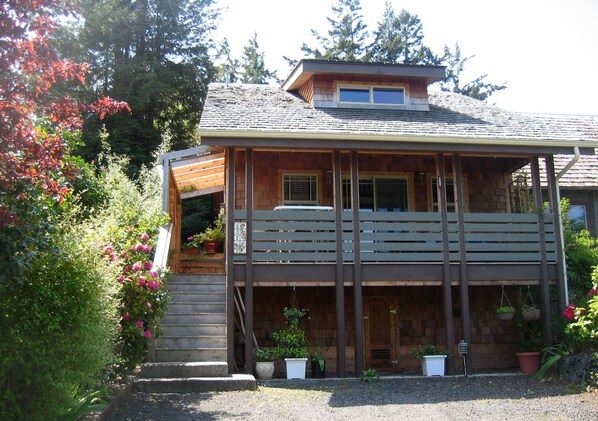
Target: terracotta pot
[(211, 247), (529, 362)]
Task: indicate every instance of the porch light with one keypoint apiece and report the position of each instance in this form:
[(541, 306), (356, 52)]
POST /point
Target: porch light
[(463, 349), (420, 177)]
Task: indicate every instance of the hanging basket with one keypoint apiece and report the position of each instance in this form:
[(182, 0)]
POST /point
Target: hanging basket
[(505, 316), (531, 315)]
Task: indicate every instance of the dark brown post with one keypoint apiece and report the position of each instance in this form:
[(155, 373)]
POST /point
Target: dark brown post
[(544, 286), (357, 290), (340, 282), (446, 267), (249, 262), (230, 262), (561, 288), (464, 276)]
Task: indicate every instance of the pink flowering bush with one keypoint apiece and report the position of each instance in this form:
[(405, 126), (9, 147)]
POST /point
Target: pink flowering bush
[(582, 319), (143, 296)]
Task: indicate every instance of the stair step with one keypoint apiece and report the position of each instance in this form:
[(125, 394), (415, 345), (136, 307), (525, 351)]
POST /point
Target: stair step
[(218, 307), (193, 329), (189, 354), (197, 384), (176, 342), (174, 287), (197, 297), (179, 318), (204, 279), (182, 369)]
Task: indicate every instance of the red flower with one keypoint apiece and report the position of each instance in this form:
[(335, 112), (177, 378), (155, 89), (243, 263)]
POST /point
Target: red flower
[(569, 312), (592, 292)]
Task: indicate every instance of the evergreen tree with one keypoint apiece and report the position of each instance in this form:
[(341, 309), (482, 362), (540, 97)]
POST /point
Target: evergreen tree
[(227, 69), (399, 39), (347, 35), (477, 88), (154, 54), (253, 69)]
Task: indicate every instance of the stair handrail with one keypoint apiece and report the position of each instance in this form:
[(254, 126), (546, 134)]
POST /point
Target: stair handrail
[(161, 255)]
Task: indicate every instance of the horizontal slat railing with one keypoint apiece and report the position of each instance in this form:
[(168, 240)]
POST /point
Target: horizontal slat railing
[(299, 236)]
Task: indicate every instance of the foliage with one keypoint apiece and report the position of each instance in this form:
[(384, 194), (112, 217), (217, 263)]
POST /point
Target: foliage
[(197, 215), (153, 54), (253, 68), (264, 355), (370, 375), (291, 342), (582, 319), (427, 349), (227, 69), (216, 232), (551, 356), (317, 356), (527, 307), (505, 309), (530, 334), (58, 328), (346, 37)]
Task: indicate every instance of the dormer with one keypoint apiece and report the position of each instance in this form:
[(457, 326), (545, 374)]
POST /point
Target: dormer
[(336, 84)]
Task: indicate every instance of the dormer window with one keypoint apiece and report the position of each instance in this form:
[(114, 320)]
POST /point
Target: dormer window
[(371, 95)]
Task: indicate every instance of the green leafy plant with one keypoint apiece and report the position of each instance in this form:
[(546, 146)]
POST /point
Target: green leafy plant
[(291, 342), (317, 356), (216, 232), (527, 307), (427, 349), (193, 241), (506, 309), (370, 375), (264, 355)]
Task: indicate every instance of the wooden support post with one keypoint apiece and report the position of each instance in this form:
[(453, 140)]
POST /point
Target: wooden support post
[(357, 288), (544, 285), (230, 262), (446, 267), (464, 276), (249, 262), (561, 288), (339, 281)]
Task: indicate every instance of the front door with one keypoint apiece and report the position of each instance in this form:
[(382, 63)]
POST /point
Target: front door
[(381, 338)]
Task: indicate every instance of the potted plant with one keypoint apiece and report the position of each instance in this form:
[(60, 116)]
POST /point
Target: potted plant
[(213, 236), (291, 343), (505, 313), (530, 313), (264, 363), (191, 246), (318, 364), (432, 359), (530, 344)]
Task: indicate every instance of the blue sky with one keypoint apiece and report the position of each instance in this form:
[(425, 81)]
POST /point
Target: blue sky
[(546, 50)]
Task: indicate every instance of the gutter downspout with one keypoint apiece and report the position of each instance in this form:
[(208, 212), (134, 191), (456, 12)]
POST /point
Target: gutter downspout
[(558, 196)]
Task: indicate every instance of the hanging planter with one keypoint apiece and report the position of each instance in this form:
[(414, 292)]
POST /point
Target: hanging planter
[(529, 312), (505, 312)]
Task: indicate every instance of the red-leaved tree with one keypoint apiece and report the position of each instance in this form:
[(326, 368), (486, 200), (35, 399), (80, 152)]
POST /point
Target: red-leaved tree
[(34, 119)]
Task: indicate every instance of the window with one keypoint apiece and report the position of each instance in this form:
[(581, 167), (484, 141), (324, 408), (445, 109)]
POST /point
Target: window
[(381, 194), (371, 95), (450, 194), (577, 216), (300, 189)]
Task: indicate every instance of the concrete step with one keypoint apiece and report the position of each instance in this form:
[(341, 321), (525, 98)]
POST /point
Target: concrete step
[(179, 318), (181, 369), (193, 329), (196, 286), (177, 342), (197, 384), (189, 354), (197, 297), (218, 307)]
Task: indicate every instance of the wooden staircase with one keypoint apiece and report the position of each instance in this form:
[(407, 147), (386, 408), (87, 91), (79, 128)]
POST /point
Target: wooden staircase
[(191, 354), (201, 263)]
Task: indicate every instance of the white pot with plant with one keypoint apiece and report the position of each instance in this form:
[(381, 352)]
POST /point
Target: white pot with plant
[(291, 343), (433, 359), (264, 363)]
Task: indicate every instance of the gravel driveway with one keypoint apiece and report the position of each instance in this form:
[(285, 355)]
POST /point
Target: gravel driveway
[(515, 397)]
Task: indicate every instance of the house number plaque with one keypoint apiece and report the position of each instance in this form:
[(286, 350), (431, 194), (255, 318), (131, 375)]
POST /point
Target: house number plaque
[(240, 237)]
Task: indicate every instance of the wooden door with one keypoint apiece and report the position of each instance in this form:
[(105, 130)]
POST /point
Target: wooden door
[(381, 338)]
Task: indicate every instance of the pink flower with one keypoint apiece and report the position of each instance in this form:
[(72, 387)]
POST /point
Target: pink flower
[(592, 292), (139, 324), (127, 269), (124, 254), (126, 316), (139, 247), (147, 333), (122, 279), (151, 285), (147, 265), (147, 249), (112, 257), (136, 267), (144, 236), (569, 312), (108, 249), (154, 274), (148, 304), (141, 282), (132, 249)]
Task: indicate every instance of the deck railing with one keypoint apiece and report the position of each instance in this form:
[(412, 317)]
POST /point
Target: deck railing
[(396, 237)]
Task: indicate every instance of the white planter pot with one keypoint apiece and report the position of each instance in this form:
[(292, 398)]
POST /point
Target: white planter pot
[(433, 365), (296, 367), (264, 370)]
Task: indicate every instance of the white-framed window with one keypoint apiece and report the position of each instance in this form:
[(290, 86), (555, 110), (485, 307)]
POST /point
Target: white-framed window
[(450, 194), (300, 189), (578, 216), (372, 95)]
